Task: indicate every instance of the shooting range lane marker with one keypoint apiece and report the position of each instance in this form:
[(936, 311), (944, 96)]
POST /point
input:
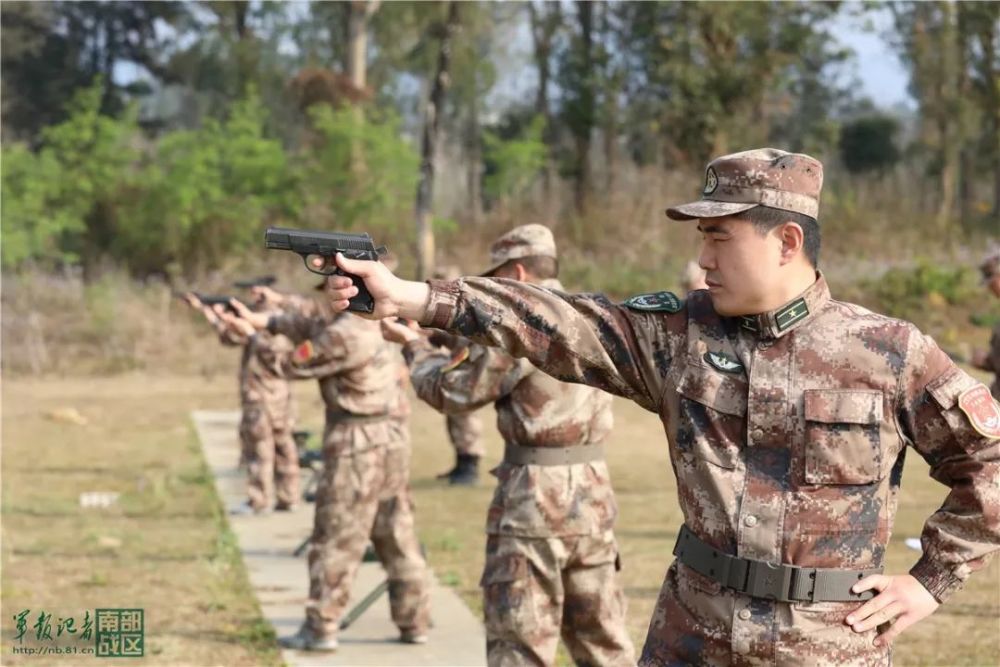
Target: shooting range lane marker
[(280, 583)]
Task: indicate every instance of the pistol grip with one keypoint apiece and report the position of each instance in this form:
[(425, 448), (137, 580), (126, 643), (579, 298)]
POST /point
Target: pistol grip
[(363, 301)]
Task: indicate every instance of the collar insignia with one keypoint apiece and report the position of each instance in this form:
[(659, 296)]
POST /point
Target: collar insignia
[(790, 314)]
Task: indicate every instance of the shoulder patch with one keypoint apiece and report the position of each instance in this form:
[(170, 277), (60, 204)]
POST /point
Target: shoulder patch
[(664, 302), (303, 353), (456, 360), (982, 410), (723, 362)]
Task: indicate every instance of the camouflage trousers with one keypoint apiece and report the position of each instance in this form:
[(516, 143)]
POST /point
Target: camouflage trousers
[(270, 454), (465, 431), (699, 622), (538, 589), (364, 496)]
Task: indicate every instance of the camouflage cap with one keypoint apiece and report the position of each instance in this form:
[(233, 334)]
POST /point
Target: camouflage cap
[(990, 267), (523, 241), (765, 176)]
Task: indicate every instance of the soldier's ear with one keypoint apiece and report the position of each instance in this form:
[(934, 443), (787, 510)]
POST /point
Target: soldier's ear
[(792, 241)]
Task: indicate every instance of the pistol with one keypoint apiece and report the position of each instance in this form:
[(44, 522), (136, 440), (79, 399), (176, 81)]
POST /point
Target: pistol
[(325, 245), (259, 281), (211, 300)]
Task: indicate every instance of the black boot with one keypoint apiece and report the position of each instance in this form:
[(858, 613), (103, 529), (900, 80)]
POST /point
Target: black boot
[(466, 472), (448, 473)]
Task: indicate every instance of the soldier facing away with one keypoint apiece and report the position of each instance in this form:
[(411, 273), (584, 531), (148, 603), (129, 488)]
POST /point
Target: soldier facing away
[(465, 429), (363, 493), (267, 416), (787, 415), (551, 557)]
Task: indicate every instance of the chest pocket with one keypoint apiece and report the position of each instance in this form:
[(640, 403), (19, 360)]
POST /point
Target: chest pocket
[(713, 408), (842, 436)]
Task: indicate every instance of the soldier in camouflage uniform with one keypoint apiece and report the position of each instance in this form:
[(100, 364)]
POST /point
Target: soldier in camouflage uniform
[(267, 417), (465, 429), (787, 415), (551, 557), (989, 360), (364, 491)]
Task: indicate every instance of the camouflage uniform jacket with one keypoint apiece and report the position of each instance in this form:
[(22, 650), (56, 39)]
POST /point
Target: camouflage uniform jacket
[(359, 373), (533, 410), (260, 374), (786, 430)]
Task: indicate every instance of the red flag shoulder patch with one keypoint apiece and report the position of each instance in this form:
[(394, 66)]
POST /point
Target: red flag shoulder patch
[(983, 412), (456, 360), (303, 352)]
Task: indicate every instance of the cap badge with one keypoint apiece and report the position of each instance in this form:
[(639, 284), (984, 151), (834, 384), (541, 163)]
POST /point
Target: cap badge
[(711, 181)]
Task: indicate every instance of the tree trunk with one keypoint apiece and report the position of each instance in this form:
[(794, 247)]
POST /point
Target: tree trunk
[(545, 20), (474, 163), (428, 149), (359, 14), (582, 186)]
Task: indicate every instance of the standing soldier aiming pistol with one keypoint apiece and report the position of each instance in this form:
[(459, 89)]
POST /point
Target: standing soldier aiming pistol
[(363, 493), (267, 418), (551, 557), (787, 415)]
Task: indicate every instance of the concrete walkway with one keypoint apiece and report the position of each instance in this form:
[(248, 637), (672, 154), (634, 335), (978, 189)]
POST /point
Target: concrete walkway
[(280, 582)]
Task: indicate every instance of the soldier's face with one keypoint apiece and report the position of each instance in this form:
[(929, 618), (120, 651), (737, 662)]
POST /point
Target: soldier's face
[(741, 265)]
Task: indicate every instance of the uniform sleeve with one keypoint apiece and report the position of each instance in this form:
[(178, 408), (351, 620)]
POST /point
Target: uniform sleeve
[(959, 537), (230, 338), (461, 381), (575, 338)]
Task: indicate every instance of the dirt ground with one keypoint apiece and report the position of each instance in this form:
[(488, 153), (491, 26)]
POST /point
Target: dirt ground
[(163, 545)]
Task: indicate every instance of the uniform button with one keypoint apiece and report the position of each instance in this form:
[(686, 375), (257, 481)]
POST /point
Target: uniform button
[(750, 521), (744, 614), (757, 434), (763, 345)]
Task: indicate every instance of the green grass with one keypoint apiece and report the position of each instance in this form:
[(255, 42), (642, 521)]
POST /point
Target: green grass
[(164, 546)]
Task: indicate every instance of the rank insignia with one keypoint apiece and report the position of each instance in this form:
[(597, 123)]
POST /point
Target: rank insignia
[(303, 353), (665, 302), (723, 362), (790, 314), (456, 360), (983, 412)]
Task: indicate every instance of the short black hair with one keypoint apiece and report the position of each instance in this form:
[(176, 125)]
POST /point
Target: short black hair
[(539, 266), (766, 218)]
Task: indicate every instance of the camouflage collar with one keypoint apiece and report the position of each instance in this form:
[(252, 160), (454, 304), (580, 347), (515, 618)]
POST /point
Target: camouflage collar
[(801, 309)]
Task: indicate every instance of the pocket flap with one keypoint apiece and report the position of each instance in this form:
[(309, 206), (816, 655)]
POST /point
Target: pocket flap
[(843, 406), (720, 392), (505, 569)]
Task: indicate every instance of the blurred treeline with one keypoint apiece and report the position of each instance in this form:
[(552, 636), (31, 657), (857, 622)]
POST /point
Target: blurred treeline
[(162, 137)]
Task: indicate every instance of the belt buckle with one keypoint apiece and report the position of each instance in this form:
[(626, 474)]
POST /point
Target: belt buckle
[(769, 580)]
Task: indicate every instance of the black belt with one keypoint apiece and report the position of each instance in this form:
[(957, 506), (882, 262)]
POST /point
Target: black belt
[(552, 456), (777, 581), (336, 417)]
